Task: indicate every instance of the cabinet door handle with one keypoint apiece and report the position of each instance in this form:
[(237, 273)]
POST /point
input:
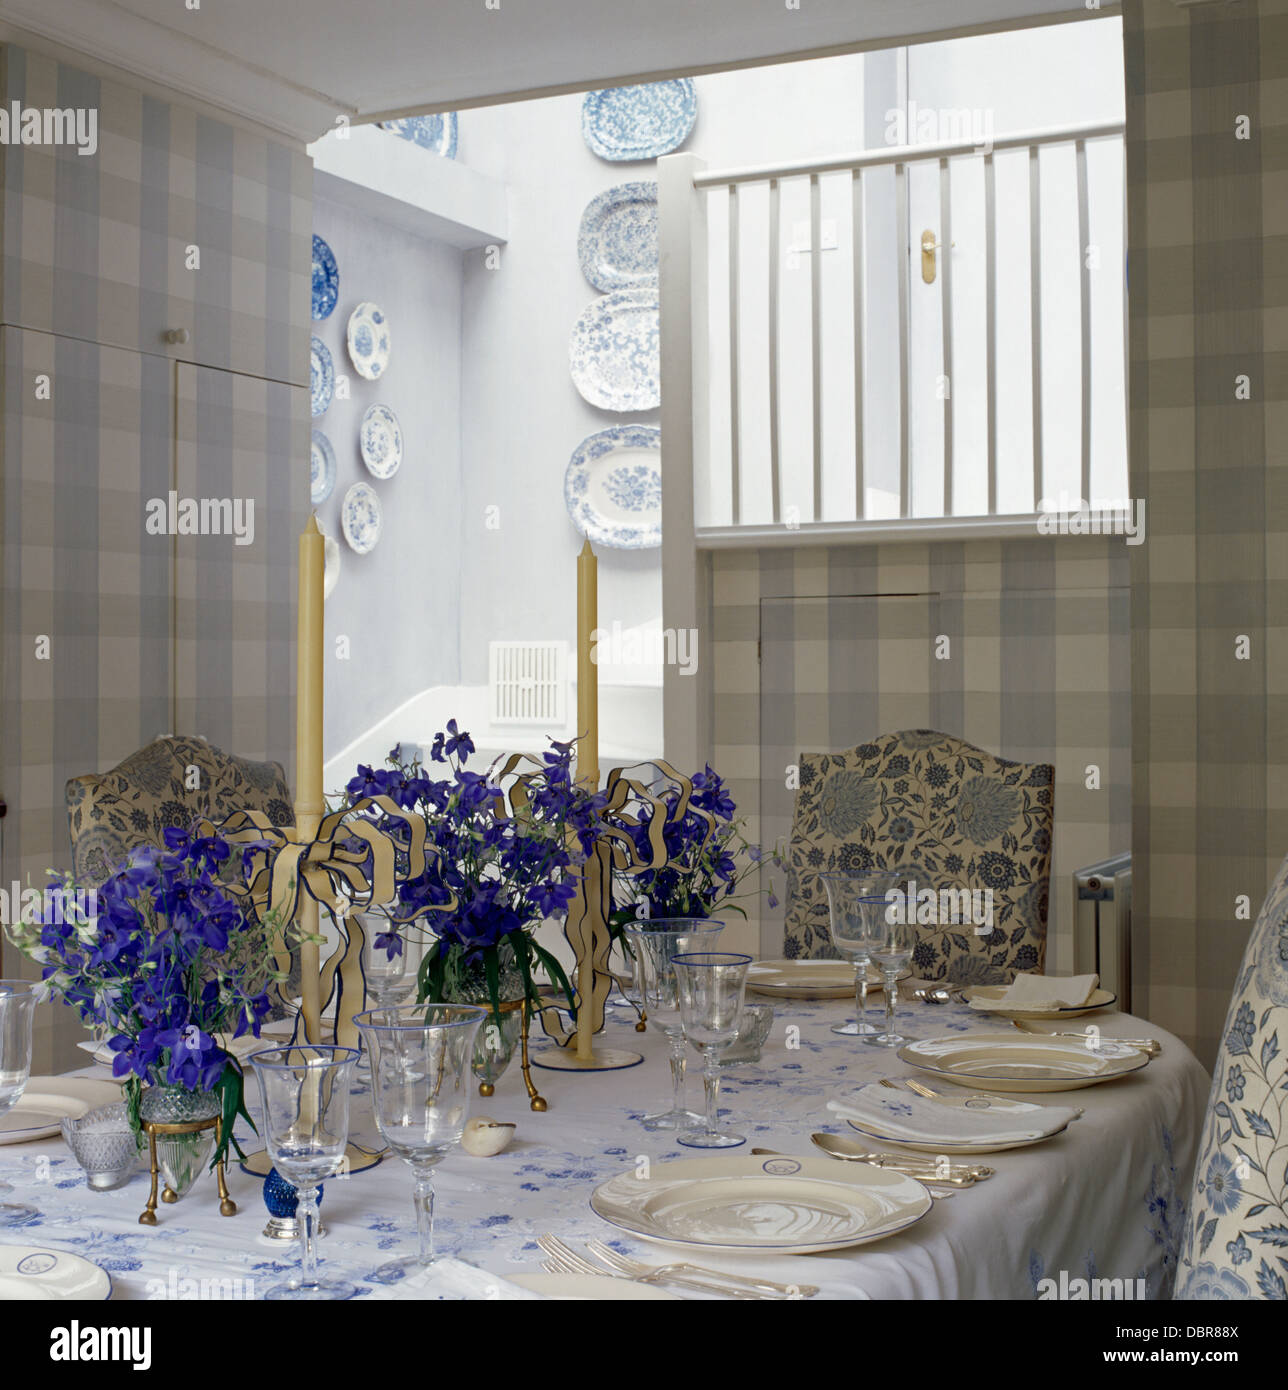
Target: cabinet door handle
[(176, 335)]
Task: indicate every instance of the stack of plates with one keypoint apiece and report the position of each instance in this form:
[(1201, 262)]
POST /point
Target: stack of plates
[(807, 979), (767, 1205), (48, 1100), (951, 1124), (989, 999)]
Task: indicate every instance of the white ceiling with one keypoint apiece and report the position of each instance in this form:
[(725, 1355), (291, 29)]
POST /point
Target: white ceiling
[(295, 64)]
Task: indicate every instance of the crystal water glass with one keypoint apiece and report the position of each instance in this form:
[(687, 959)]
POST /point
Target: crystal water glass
[(846, 893), (711, 986), (389, 978), (421, 1082), (17, 1009), (305, 1096), (655, 940), (891, 951)]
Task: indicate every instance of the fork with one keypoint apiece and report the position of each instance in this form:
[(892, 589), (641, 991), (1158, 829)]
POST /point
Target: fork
[(571, 1262), (766, 1287), (914, 1085)]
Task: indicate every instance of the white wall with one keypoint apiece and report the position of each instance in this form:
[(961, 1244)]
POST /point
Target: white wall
[(399, 606), (522, 414)]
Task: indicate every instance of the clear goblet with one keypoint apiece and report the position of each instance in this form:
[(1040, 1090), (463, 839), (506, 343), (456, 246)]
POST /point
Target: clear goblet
[(845, 895), (891, 950), (655, 940), (384, 960), (305, 1095), (421, 1081), (17, 1008), (711, 985)]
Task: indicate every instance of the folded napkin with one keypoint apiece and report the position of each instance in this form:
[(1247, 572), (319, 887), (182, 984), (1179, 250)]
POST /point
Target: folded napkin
[(1043, 992), (905, 1115), (447, 1278)]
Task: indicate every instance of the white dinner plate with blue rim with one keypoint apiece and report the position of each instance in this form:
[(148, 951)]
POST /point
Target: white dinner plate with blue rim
[(368, 339), (617, 240), (622, 123), (613, 487), (321, 468), (780, 1205), (434, 133), (613, 353), (326, 279), (34, 1274), (380, 441), (360, 518), (321, 376)]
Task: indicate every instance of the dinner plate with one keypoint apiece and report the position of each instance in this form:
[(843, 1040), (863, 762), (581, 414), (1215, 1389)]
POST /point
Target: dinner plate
[(321, 376), (617, 240), (326, 279), (593, 1288), (640, 122), (368, 340), (380, 441), (437, 134), (613, 487), (1100, 999), (613, 351), (752, 1203), (1013, 1062), (807, 979), (48, 1100), (33, 1274), (361, 518), (1037, 1123), (321, 468)]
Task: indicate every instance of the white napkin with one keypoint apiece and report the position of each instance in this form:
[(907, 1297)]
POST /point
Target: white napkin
[(906, 1115), (447, 1278), (1043, 992)]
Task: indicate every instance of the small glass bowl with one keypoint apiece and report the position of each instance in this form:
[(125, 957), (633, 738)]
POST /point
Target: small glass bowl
[(104, 1145), (753, 1030)]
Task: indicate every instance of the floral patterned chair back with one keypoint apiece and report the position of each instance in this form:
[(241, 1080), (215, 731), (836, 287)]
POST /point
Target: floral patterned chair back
[(1235, 1242), (955, 814), (168, 783)]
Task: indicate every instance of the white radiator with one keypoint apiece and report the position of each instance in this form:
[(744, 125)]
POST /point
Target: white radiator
[(1102, 924), (528, 682)]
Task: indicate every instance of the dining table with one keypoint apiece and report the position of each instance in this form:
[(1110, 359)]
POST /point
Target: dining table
[(1105, 1199)]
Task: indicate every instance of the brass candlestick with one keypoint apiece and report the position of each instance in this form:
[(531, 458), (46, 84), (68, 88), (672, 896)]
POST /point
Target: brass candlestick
[(227, 1207)]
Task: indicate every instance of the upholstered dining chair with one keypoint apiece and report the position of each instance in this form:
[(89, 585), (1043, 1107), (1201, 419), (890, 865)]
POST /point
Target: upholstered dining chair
[(169, 783), (1234, 1244), (957, 817)]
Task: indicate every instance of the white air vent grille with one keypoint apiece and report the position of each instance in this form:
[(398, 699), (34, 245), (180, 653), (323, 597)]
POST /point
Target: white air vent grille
[(528, 682)]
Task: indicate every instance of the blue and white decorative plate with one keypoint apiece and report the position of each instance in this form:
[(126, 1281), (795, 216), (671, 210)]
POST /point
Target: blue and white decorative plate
[(613, 353), (321, 376), (369, 340), (613, 487), (321, 468), (360, 518), (434, 133), (326, 279), (617, 241), (331, 568), (380, 442), (643, 122)]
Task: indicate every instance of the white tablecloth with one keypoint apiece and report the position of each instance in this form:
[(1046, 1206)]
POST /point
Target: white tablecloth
[(1103, 1200)]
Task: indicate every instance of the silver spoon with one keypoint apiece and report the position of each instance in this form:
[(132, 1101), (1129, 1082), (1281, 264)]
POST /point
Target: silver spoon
[(959, 1174)]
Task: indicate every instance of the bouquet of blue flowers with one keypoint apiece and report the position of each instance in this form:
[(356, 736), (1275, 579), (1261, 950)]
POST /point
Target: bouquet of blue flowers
[(165, 961), (709, 856), (503, 870)]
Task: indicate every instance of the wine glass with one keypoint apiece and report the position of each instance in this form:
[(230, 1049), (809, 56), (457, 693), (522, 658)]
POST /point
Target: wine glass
[(655, 940), (891, 946), (845, 895), (17, 1008), (421, 1082), (389, 979), (711, 985), (305, 1094)]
